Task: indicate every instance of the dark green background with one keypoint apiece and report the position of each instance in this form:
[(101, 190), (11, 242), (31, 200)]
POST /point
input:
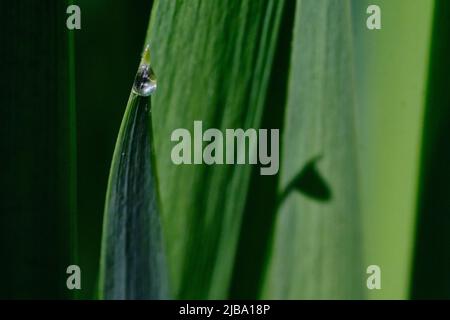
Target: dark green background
[(36, 182)]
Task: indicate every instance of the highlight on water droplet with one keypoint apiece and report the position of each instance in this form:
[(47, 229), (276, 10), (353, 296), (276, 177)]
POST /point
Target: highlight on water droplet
[(145, 80)]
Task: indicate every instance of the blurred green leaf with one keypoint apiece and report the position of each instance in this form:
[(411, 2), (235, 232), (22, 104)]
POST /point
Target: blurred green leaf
[(316, 250), (213, 60), (391, 68)]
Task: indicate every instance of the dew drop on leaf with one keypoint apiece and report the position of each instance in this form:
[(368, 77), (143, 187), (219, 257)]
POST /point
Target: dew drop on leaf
[(145, 80)]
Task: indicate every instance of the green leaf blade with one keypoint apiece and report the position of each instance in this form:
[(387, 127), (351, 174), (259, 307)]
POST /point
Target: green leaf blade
[(133, 260), (316, 250), (214, 62)]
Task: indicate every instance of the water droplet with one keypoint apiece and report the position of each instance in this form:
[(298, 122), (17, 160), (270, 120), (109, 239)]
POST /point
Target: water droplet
[(145, 80)]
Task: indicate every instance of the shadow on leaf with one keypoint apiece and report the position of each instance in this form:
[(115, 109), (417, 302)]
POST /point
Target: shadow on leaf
[(310, 183)]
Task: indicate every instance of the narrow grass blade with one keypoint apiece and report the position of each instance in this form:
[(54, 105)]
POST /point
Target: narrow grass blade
[(132, 262), (107, 45)]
